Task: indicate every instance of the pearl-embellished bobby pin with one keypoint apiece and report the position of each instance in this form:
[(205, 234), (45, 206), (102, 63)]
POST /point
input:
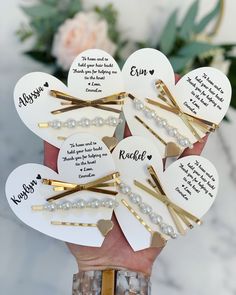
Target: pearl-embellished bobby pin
[(160, 122), (157, 240), (78, 204), (146, 209), (84, 123), (171, 148)]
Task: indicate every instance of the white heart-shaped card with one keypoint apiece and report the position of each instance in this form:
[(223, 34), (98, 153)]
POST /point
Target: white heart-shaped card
[(94, 74), (190, 184), (83, 158), (204, 93)]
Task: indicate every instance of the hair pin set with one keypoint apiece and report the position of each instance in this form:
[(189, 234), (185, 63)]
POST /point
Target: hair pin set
[(97, 175)]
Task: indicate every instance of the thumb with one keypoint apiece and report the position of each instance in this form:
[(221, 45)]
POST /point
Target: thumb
[(50, 155)]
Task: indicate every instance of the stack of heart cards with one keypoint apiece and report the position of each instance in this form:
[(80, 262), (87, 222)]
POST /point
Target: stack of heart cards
[(98, 174)]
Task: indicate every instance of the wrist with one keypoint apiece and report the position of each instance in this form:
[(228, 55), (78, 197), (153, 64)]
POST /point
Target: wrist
[(141, 266), (88, 258)]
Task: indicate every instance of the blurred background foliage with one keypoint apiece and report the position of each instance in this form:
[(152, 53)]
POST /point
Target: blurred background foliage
[(188, 43)]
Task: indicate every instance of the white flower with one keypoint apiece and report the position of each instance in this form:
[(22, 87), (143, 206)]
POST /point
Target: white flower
[(84, 31)]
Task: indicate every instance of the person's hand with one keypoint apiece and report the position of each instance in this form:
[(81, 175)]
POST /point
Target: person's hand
[(115, 252)]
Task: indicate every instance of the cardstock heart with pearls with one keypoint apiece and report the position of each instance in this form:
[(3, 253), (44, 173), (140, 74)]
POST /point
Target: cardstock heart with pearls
[(204, 93), (83, 158), (190, 183), (93, 74)]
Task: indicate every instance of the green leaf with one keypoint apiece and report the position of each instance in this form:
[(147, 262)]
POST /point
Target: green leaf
[(232, 69), (208, 18), (227, 47), (179, 63), (60, 74), (40, 56), (226, 119), (168, 36), (109, 13), (194, 49), (232, 78), (74, 7), (233, 99), (142, 44), (40, 11), (188, 24), (24, 33), (50, 2)]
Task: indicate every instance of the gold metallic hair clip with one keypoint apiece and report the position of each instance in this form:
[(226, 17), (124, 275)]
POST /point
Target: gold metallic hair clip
[(157, 240), (94, 186), (76, 103), (104, 226), (171, 150), (172, 106), (176, 212)]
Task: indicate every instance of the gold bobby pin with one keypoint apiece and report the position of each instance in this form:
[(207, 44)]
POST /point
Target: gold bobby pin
[(159, 189), (104, 226), (62, 188), (157, 239), (94, 186), (101, 103), (172, 106), (176, 212), (171, 150), (61, 138)]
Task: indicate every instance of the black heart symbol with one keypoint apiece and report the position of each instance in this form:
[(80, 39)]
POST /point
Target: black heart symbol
[(149, 157), (151, 72), (38, 176), (45, 84)]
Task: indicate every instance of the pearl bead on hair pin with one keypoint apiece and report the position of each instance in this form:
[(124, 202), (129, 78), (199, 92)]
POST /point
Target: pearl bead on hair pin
[(171, 148), (78, 204), (84, 123), (172, 106), (144, 208), (150, 114)]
